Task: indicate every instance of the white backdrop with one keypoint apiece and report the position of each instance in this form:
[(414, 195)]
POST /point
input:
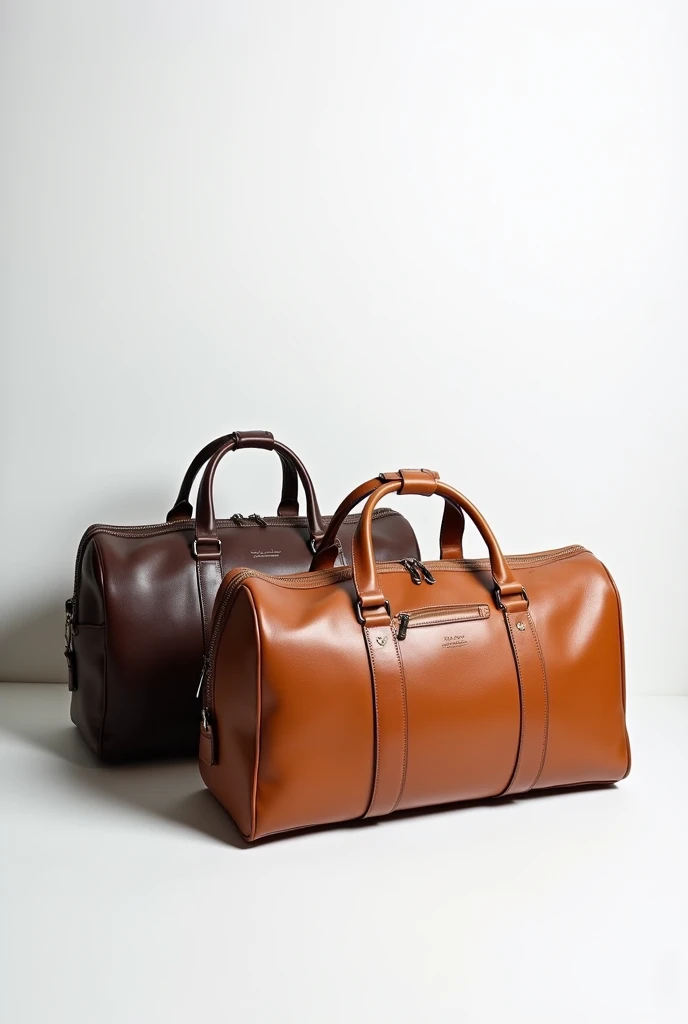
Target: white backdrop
[(395, 233)]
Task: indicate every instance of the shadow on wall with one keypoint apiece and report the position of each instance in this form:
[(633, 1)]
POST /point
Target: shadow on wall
[(32, 644)]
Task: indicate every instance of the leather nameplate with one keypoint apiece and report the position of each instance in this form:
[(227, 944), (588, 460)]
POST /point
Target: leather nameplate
[(391, 725), (532, 683)]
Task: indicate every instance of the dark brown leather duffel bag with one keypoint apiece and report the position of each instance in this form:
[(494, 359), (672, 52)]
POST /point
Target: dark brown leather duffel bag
[(351, 692), (143, 596)]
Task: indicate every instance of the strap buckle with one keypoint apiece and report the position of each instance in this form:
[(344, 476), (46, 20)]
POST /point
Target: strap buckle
[(194, 549), (359, 611), (498, 597)]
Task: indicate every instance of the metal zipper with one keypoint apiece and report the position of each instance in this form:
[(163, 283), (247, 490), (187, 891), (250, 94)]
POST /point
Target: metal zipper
[(409, 565), (438, 616), (425, 572), (417, 570)]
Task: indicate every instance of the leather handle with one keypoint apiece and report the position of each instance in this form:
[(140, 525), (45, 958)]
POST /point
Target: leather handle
[(372, 605), (451, 530), (206, 525), (289, 501)]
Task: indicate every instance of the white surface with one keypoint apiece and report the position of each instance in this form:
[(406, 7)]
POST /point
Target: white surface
[(426, 233), (128, 896)]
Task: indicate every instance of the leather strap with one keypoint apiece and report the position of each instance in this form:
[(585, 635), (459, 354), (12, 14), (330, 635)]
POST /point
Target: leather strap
[(208, 546), (451, 531), (209, 574), (289, 501), (391, 720), (371, 601), (532, 687), (373, 612)]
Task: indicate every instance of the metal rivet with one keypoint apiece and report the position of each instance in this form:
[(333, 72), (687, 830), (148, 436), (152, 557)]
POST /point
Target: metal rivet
[(521, 626)]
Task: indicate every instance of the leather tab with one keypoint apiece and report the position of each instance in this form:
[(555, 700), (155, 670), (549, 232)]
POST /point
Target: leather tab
[(418, 481), (391, 724), (254, 439), (414, 481), (71, 676), (206, 746), (532, 683)]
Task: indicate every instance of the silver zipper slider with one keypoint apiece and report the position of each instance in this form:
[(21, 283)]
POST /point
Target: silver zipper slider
[(200, 682), (427, 575), (237, 518), (403, 625), (409, 565), (257, 519)]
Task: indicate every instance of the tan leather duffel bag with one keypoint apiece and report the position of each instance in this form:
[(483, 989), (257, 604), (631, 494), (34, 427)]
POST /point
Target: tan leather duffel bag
[(349, 692)]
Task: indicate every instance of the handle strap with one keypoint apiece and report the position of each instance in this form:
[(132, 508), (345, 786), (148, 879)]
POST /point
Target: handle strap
[(207, 546), (289, 501), (386, 665), (451, 530)]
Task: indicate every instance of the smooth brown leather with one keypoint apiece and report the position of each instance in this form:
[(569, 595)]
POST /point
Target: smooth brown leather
[(135, 625), (317, 708), (183, 509)]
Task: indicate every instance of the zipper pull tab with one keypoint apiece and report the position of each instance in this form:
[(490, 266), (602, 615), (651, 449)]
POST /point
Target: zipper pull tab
[(403, 625), (200, 682), (257, 519), (427, 575), (408, 564), (237, 518)]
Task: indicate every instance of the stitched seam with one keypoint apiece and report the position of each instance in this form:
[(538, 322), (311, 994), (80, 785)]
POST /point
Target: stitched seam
[(622, 666), (405, 715), (101, 731), (199, 577), (522, 698), (259, 718), (377, 724), (545, 730)]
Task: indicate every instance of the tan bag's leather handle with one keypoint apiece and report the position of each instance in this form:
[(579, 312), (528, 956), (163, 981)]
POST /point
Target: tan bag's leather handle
[(451, 531), (373, 608), (289, 502)]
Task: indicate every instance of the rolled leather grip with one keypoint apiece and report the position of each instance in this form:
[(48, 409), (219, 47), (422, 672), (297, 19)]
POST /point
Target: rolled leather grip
[(289, 501), (206, 525), (451, 531)]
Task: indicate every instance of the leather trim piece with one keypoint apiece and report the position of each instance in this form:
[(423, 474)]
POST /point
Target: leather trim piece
[(391, 720), (209, 576), (532, 684)]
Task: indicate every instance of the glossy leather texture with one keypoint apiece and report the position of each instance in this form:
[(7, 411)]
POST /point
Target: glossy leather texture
[(342, 693), (143, 596)]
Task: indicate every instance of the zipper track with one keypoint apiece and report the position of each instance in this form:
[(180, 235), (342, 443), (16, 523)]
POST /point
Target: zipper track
[(446, 613), (442, 615), (323, 577), (158, 529)]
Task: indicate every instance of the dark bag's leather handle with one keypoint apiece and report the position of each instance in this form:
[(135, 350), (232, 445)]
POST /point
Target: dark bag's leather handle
[(289, 502), (451, 531), (373, 608), (207, 546)]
